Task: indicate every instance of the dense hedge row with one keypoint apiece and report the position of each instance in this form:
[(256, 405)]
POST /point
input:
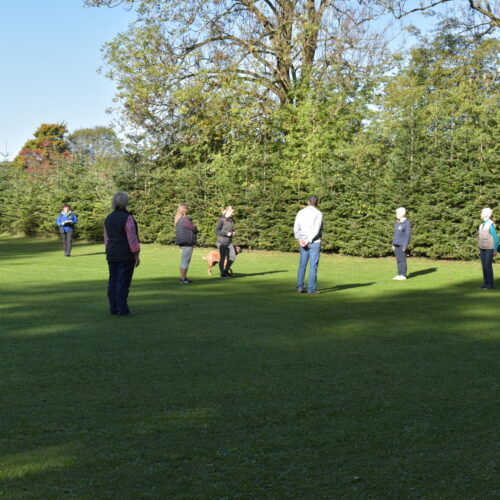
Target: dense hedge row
[(429, 142)]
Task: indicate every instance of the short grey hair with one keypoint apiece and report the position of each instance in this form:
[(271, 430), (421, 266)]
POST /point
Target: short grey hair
[(120, 201), (401, 211), (486, 212)]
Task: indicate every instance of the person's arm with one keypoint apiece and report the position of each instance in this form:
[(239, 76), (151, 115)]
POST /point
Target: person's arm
[(189, 225), (296, 228), (218, 228), (407, 235), (297, 232), (494, 235), (133, 240), (59, 220), (74, 219)]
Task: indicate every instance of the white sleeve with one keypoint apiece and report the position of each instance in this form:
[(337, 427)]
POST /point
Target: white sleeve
[(296, 228)]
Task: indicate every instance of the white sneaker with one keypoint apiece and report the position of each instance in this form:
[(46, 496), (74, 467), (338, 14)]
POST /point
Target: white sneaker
[(396, 277), (400, 278)]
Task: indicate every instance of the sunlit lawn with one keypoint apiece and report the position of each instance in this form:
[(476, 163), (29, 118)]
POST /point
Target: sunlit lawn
[(242, 388)]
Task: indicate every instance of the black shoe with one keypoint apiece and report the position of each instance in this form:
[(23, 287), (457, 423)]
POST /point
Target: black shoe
[(185, 281), (225, 276), (316, 292), (300, 290), (130, 313)]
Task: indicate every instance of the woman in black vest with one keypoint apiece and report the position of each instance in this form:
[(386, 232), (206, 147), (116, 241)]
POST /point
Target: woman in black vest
[(185, 237), (122, 252)]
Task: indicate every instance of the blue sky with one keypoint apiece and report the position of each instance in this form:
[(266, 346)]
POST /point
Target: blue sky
[(51, 50)]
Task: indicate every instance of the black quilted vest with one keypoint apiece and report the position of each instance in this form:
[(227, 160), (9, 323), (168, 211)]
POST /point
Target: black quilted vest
[(117, 249)]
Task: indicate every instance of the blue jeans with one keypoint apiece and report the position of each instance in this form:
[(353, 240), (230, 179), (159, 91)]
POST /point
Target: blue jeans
[(120, 277), (309, 253)]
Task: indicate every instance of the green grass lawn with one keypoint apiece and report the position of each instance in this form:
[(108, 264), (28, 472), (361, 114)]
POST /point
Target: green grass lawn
[(243, 388)]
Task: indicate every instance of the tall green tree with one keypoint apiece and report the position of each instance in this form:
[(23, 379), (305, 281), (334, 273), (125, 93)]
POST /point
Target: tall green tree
[(273, 51), (440, 121)]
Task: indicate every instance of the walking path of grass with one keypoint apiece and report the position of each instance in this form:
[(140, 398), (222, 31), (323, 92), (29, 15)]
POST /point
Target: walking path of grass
[(243, 388)]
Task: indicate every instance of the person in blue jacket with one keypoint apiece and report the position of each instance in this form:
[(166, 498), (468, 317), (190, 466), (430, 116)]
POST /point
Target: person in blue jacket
[(401, 238), (488, 247), (66, 222)]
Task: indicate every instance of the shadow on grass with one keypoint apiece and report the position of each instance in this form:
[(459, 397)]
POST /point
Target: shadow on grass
[(17, 247), (422, 272), (88, 254), (345, 286), (263, 273), (245, 388)]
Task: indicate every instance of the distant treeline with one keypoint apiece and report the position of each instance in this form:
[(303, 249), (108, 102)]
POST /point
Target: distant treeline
[(426, 138)]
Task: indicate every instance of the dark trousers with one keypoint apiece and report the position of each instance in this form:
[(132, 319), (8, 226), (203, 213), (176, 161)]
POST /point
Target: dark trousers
[(120, 277), (400, 259), (67, 239), (487, 263), (225, 257)]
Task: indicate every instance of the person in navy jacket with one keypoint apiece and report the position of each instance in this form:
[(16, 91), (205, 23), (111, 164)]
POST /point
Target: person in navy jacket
[(402, 230), (66, 222)]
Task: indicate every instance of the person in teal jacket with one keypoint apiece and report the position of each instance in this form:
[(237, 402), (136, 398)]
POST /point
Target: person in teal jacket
[(488, 247), (66, 222)]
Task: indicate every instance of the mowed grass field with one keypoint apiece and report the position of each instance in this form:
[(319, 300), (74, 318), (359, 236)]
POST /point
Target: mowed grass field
[(243, 388)]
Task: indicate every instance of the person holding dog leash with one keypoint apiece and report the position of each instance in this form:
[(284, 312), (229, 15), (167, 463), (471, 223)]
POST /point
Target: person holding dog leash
[(225, 232)]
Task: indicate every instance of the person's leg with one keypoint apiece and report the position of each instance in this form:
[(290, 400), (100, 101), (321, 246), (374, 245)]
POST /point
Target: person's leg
[(64, 237), (487, 264), (482, 256), (400, 260), (403, 269), (231, 257), (113, 274), (303, 259), (186, 254), (314, 253), (124, 279), (223, 251), (69, 242)]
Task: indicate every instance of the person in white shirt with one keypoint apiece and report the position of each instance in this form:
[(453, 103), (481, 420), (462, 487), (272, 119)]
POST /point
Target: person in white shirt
[(307, 230)]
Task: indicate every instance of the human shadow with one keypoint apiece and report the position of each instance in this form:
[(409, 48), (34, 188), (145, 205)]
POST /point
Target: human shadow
[(264, 273), (25, 248), (345, 286), (87, 254), (422, 272)]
